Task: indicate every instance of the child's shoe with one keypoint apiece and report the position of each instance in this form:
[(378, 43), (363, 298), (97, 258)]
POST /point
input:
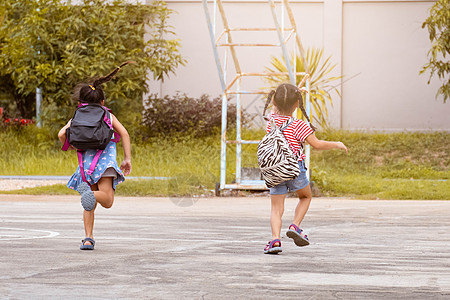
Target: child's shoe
[(271, 249), (85, 246), (300, 239), (87, 196)]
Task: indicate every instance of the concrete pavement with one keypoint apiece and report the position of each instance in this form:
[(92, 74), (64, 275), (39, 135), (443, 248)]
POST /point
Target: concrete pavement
[(161, 248)]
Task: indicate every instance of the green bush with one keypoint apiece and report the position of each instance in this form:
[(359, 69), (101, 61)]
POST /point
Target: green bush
[(183, 114)]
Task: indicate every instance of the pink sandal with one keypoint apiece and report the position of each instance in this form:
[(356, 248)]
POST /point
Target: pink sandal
[(271, 249), (295, 233)]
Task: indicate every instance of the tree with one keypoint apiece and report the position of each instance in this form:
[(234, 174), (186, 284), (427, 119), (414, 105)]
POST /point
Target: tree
[(320, 86), (54, 45), (438, 25)]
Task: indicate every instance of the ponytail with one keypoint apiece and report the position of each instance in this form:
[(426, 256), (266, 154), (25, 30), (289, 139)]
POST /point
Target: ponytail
[(269, 98), (93, 92), (111, 75), (300, 105)]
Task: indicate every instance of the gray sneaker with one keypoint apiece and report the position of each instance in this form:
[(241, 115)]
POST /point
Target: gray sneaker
[(87, 196)]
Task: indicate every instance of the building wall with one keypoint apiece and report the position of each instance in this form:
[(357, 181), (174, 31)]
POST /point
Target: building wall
[(379, 47), (385, 43)]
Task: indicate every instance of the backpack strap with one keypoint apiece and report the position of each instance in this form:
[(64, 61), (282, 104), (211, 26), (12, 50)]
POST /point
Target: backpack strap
[(283, 128), (289, 123), (91, 167), (116, 138), (94, 162), (80, 163), (107, 117), (66, 145), (273, 125), (108, 120)]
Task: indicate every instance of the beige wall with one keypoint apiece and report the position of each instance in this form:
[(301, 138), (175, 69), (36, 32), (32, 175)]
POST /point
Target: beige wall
[(382, 41), (385, 42)]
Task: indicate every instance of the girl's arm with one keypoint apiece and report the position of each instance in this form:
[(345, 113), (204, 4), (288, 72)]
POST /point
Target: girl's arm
[(62, 133), (324, 145), (125, 166)]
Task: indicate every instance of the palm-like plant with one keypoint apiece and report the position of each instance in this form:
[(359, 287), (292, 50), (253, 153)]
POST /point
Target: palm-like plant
[(320, 84)]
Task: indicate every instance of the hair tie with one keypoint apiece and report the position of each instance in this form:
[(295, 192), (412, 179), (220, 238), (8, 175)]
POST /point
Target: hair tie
[(92, 87)]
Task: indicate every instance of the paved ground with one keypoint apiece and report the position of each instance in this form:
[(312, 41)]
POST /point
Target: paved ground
[(12, 184), (160, 248)]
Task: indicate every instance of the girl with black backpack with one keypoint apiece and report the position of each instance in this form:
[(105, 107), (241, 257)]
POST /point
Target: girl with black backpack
[(285, 99), (98, 173)]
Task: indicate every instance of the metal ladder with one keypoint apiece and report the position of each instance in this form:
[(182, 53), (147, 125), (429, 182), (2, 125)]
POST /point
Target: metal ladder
[(234, 86)]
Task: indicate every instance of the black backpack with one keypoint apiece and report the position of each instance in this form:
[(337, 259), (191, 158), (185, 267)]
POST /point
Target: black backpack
[(90, 128)]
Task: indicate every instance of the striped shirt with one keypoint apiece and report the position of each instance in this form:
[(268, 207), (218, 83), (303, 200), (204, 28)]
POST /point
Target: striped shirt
[(296, 133)]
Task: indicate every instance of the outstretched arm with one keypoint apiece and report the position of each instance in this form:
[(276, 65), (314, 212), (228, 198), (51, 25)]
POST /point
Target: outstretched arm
[(324, 145), (125, 166)]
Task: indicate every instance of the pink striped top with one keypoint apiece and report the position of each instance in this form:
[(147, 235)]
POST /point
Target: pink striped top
[(296, 133)]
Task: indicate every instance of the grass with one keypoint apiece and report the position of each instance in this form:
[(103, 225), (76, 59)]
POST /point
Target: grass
[(372, 187), (56, 189), (385, 166), (378, 166)]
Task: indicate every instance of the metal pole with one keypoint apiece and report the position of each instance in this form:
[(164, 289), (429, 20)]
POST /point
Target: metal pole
[(238, 133), (223, 142), (38, 106), (225, 64), (282, 18), (307, 108), (282, 44), (38, 92), (297, 36), (294, 57), (229, 39), (223, 145), (216, 53), (214, 16)]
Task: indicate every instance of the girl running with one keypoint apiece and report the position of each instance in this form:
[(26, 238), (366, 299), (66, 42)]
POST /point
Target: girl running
[(285, 99), (102, 182)]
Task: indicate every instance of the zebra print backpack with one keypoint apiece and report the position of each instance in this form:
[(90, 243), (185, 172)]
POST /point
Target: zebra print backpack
[(275, 158)]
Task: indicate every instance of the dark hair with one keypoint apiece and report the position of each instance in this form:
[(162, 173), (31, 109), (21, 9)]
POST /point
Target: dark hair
[(284, 97), (92, 92)]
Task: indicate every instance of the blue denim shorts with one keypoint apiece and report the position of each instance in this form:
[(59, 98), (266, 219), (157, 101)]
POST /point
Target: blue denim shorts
[(292, 185)]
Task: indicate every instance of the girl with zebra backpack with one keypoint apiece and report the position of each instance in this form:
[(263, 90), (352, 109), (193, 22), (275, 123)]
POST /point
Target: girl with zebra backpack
[(98, 173), (285, 99)]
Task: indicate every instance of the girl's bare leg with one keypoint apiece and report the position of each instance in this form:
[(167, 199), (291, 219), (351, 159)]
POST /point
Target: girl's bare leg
[(276, 214), (104, 194), (304, 196), (88, 220)]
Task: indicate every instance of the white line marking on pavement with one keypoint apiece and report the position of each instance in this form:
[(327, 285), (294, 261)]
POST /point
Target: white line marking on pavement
[(8, 237)]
